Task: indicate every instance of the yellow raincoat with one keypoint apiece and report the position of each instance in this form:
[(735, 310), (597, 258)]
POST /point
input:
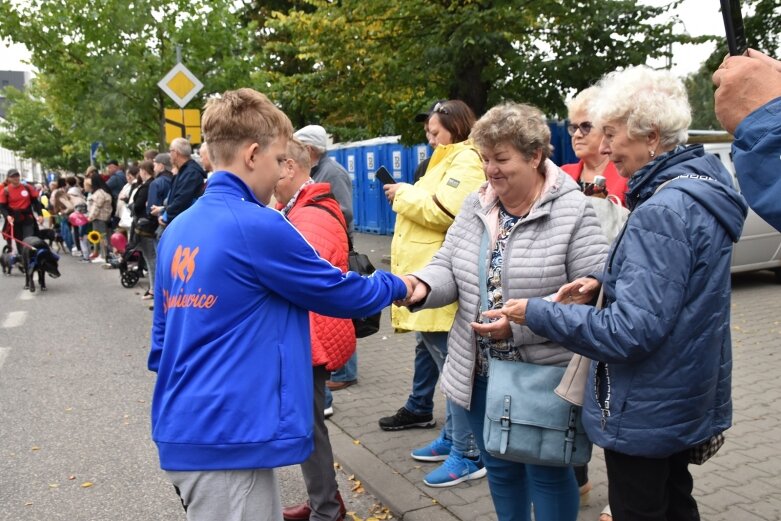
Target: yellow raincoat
[(424, 212)]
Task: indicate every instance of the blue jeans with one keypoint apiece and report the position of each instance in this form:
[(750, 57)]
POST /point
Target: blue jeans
[(65, 231), (515, 486), (424, 381), (456, 426), (348, 372)]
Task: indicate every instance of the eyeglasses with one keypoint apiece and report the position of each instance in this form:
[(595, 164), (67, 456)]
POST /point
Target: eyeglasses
[(584, 127), (439, 108)]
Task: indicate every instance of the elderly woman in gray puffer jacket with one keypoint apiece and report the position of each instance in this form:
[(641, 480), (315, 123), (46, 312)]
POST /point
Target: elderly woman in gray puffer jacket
[(538, 232)]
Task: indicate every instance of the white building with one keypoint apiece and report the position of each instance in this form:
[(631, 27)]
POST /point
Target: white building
[(30, 170)]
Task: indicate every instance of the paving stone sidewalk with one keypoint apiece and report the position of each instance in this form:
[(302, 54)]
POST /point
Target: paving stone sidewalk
[(742, 482)]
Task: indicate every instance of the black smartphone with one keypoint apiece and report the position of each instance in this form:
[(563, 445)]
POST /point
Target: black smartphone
[(384, 176), (733, 27)]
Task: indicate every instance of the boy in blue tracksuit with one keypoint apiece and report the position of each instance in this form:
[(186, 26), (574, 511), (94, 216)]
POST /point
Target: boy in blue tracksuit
[(230, 339)]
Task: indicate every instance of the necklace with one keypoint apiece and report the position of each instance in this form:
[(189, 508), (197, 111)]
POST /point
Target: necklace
[(534, 199)]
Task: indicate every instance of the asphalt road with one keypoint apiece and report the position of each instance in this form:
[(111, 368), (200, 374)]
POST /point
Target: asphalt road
[(74, 405)]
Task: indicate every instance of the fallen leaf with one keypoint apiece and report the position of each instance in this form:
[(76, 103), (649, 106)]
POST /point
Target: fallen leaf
[(351, 477), (28, 504), (356, 485), (337, 466), (86, 484), (34, 448), (54, 485), (68, 409), (356, 442), (71, 478), (435, 501)]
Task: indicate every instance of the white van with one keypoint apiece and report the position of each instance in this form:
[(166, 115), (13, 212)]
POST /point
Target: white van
[(759, 247)]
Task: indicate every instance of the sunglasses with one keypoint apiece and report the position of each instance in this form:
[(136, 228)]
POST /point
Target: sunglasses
[(584, 127), (439, 108)]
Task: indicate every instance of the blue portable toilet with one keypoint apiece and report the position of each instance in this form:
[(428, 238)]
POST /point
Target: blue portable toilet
[(562, 143), (396, 160), (417, 154), (371, 190), (351, 155)]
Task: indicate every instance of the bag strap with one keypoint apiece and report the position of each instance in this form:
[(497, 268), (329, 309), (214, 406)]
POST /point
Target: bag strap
[(482, 272), (333, 214)]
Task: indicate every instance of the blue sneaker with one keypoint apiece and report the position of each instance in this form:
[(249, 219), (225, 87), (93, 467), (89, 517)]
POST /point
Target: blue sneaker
[(437, 450), (454, 470)]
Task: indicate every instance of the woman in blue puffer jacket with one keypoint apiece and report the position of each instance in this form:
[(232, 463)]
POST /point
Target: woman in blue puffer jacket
[(659, 383)]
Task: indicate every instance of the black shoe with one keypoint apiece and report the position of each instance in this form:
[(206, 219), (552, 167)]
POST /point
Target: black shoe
[(403, 419)]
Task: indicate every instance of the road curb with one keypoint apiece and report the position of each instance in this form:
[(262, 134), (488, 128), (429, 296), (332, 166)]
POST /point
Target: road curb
[(405, 500)]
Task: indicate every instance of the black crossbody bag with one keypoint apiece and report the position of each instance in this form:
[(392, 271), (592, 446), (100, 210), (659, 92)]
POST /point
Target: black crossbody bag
[(359, 263)]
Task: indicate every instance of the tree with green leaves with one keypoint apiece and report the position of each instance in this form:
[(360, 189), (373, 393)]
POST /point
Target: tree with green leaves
[(102, 59), (363, 68), (763, 33), (30, 130)]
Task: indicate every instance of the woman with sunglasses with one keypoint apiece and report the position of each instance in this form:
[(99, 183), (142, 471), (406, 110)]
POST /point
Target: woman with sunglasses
[(585, 141)]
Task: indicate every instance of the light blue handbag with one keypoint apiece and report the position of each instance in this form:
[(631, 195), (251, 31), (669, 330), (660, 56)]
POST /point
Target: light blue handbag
[(525, 421)]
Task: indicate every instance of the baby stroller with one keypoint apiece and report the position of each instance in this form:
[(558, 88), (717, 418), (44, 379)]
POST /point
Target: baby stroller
[(132, 267)]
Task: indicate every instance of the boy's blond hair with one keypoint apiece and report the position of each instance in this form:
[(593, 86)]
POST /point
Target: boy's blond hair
[(238, 117)]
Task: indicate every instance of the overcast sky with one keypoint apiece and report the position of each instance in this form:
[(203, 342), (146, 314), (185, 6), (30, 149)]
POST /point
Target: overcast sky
[(698, 16)]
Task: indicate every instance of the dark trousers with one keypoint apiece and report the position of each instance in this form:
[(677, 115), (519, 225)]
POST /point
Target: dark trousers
[(318, 470), (650, 489)]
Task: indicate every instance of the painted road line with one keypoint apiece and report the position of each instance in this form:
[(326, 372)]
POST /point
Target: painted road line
[(3, 355), (15, 319)]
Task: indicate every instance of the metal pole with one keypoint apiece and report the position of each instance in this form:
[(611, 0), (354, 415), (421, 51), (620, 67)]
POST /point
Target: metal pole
[(178, 54)]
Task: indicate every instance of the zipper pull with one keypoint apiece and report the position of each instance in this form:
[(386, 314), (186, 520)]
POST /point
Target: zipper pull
[(604, 421)]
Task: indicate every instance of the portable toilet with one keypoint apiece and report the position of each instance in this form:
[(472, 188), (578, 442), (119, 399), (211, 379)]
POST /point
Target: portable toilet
[(396, 160), (351, 155), (371, 189)]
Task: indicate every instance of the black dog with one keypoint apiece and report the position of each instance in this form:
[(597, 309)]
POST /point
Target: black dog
[(38, 257), (8, 260), (52, 237)]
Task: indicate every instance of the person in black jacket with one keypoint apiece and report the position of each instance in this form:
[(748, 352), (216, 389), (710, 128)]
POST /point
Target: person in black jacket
[(146, 238), (188, 181)]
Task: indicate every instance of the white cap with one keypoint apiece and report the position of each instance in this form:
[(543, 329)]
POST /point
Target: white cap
[(314, 135)]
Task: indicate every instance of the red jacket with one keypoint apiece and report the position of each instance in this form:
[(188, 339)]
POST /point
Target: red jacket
[(615, 184), (333, 339)]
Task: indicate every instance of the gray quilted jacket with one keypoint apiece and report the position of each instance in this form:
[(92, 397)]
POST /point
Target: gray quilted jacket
[(559, 241)]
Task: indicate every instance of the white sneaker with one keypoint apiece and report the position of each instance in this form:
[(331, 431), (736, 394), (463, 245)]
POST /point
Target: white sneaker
[(75, 251), (98, 260), (328, 412)]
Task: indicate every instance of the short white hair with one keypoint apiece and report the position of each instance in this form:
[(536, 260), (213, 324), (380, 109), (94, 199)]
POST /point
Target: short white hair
[(583, 101), (182, 146), (646, 100)]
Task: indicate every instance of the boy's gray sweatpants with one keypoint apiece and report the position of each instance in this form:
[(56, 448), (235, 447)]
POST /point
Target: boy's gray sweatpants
[(230, 495)]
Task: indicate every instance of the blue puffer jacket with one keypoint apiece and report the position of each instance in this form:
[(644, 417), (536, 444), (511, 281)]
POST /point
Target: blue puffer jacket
[(757, 155), (663, 339)]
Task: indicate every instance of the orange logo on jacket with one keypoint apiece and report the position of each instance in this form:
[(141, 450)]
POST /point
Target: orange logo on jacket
[(184, 261), (183, 268)]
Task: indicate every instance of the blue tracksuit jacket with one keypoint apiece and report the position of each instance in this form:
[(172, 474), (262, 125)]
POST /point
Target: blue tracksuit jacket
[(230, 339)]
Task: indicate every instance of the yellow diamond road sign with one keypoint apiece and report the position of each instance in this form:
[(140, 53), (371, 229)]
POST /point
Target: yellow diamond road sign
[(180, 84)]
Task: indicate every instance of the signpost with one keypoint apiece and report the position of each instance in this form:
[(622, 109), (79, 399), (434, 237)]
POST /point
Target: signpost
[(181, 85)]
